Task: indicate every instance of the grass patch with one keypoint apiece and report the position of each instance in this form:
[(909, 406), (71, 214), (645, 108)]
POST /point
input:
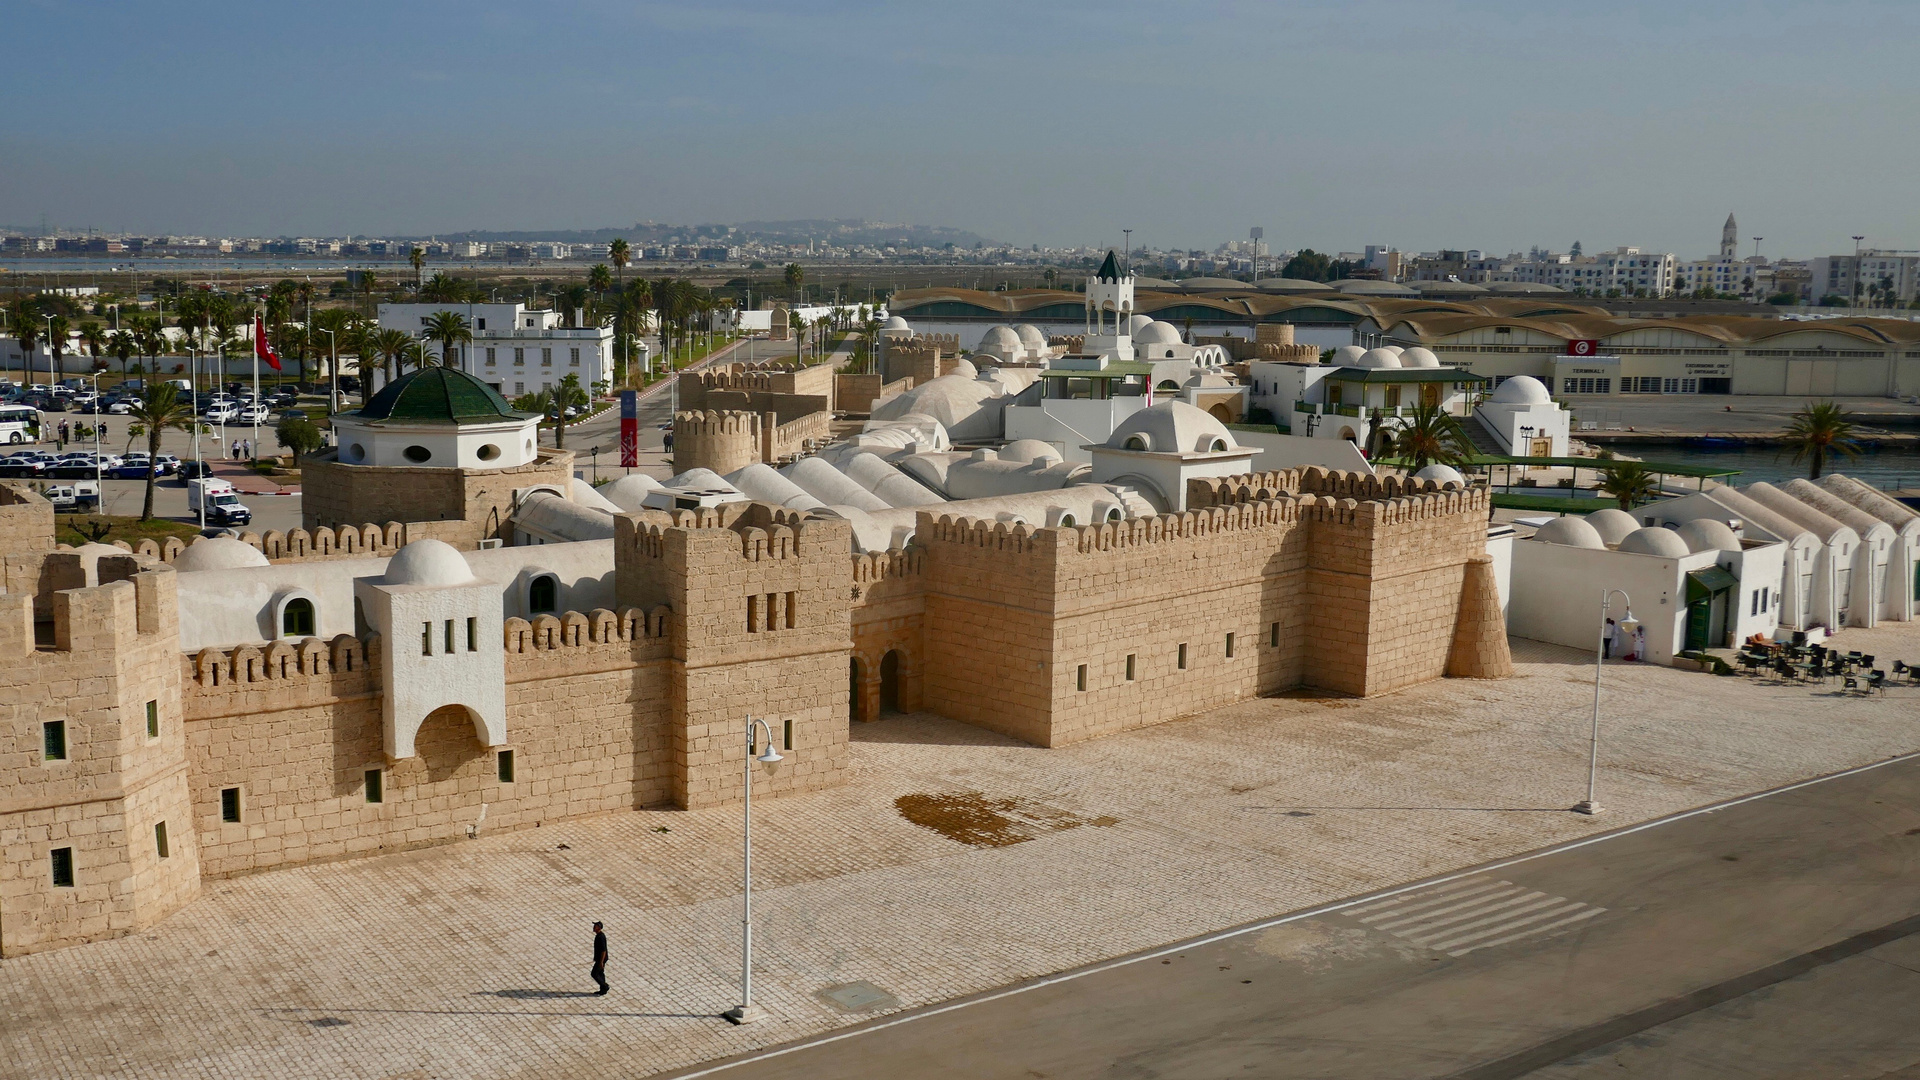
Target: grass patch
[(66, 529)]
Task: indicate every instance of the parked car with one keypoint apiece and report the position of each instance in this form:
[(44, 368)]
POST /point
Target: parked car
[(169, 464), (192, 470), (220, 414), (253, 414), (26, 463), (76, 497), (294, 414), (217, 501), (120, 408)]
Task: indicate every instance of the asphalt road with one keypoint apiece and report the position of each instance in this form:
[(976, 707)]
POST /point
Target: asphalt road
[(1774, 938)]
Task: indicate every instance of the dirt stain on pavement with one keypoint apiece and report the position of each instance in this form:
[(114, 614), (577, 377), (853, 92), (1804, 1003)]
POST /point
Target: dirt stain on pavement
[(972, 818)]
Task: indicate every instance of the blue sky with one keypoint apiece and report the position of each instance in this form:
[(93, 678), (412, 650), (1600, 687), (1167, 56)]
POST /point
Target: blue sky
[(1422, 124)]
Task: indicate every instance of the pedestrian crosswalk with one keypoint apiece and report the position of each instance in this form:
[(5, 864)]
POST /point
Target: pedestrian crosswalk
[(1476, 913)]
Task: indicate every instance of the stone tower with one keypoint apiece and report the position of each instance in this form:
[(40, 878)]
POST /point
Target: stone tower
[(1110, 289), (1729, 239)]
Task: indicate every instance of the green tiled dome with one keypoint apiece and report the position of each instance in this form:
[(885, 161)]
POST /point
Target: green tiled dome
[(438, 395)]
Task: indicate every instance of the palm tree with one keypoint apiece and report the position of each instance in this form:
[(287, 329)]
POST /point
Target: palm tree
[(391, 346), (94, 337), (336, 320), (418, 257), (122, 345), (620, 254), (368, 282), (572, 300), (600, 279), (57, 330), (1819, 429), (1629, 483), (449, 328), (793, 275), (25, 315), (630, 307), (568, 395), (416, 354), (161, 407), (1429, 436)]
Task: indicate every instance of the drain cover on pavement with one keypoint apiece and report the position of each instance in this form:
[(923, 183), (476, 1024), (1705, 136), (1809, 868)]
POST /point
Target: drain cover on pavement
[(858, 997)]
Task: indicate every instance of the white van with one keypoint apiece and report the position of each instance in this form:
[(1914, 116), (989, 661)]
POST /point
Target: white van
[(221, 502)]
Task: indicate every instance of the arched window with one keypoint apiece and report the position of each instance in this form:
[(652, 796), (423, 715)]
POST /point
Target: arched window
[(543, 595), (296, 619)]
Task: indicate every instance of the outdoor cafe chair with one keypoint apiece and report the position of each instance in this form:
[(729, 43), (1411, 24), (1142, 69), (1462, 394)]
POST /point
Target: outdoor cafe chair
[(1877, 681)]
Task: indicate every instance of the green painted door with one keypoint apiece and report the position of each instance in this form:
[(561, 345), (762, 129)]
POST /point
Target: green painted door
[(1699, 621)]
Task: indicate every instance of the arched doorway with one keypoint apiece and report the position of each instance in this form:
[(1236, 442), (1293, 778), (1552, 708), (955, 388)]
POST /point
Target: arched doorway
[(448, 743), (890, 681), (1220, 413), (853, 690)]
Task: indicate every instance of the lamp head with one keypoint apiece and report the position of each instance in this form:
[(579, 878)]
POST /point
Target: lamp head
[(770, 757), (1629, 623)]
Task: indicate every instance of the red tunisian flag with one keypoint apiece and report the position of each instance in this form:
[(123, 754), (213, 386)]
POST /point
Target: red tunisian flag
[(262, 350), (1582, 347)]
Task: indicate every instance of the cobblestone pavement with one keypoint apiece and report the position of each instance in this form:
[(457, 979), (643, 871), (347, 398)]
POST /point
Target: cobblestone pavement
[(471, 960)]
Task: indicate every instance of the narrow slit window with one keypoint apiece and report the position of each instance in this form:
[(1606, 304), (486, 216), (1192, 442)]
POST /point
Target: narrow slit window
[(786, 735), (790, 599), (473, 634), (160, 839), (1080, 677), (426, 639), (53, 740), (376, 786), (773, 615), (153, 719), (753, 614), (505, 764), (1273, 635), (230, 805), (1182, 661), (1229, 646), (449, 636), (1130, 657), (62, 859)]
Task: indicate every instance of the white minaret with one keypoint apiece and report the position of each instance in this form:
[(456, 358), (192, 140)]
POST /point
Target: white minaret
[(1110, 289), (1729, 239)]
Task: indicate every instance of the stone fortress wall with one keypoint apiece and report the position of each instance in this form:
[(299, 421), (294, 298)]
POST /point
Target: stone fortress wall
[(1328, 580), (726, 441), (922, 357), (788, 390), (461, 506)]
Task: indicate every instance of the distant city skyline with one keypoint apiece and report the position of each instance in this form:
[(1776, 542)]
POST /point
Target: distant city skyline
[(1492, 125)]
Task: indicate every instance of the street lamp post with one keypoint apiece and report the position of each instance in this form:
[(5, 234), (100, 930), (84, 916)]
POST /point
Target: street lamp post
[(747, 1012), (333, 373), (1590, 805), (51, 377)]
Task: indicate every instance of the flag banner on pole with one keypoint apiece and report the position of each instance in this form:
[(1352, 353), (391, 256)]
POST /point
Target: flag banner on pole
[(1583, 347), (629, 428), (262, 350)]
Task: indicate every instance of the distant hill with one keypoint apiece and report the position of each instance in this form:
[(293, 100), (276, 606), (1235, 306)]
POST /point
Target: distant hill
[(842, 232)]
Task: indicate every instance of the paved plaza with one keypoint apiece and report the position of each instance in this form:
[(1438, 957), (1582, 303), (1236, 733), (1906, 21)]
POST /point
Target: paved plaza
[(955, 861)]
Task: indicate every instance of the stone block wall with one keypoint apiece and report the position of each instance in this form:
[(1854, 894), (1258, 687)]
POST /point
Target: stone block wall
[(921, 358), (109, 651), (26, 520), (790, 390), (856, 395), (470, 504), (725, 442), (889, 616)]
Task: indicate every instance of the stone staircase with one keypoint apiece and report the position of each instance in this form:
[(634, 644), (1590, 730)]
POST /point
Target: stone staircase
[(1133, 502), (1482, 439)]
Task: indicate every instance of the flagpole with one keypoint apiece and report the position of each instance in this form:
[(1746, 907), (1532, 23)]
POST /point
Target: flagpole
[(259, 330)]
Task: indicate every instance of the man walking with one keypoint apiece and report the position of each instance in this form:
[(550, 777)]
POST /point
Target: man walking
[(599, 959)]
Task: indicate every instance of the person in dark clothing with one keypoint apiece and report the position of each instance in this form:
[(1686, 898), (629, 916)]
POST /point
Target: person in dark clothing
[(599, 958), (1606, 642)]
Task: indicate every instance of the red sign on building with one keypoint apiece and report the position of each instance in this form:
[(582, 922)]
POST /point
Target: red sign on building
[(1582, 347)]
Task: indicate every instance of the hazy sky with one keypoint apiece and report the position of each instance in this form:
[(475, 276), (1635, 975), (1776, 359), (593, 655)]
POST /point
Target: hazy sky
[(1421, 124)]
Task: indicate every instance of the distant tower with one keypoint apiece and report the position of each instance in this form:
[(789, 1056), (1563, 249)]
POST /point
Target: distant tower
[(1110, 290), (1729, 239)]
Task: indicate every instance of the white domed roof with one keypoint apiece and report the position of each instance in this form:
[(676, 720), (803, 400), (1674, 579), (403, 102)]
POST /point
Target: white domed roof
[(428, 562), (1378, 358), (629, 493), (1394, 349), (1570, 532), (896, 323), (953, 400), (1209, 380), (1137, 323), (1419, 357), (1612, 525), (1706, 534), (999, 340), (1172, 427), (1446, 474), (1347, 355), (1522, 390), (1028, 450), (1655, 541), (965, 368), (1156, 333), (218, 553), (1030, 336)]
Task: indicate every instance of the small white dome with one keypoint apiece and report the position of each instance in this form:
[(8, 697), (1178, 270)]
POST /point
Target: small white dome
[(965, 368), (1445, 474), (1419, 357), (1522, 390), (1394, 349), (1000, 341), (1570, 532), (629, 493), (1613, 525), (1347, 356), (896, 323), (1706, 534), (1156, 333), (1028, 450), (1655, 541), (1207, 380), (1030, 336), (428, 562), (1137, 323), (1172, 427), (218, 553), (1378, 358)]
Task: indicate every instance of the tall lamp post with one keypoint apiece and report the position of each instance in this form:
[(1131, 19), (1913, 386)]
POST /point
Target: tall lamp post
[(747, 1012), (333, 373), (1589, 805)]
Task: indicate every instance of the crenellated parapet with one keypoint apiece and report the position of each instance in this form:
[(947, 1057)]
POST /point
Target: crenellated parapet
[(281, 662), (578, 630), (1213, 521), (871, 568)]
